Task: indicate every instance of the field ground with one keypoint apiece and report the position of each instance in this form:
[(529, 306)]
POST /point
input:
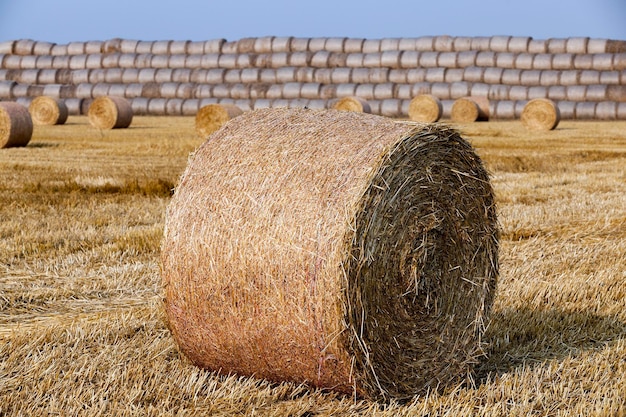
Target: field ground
[(82, 330)]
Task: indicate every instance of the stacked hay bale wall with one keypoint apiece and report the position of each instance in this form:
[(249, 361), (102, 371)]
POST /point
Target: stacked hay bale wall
[(388, 73), (323, 275)]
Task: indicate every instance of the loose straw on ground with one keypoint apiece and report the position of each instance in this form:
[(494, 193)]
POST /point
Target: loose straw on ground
[(540, 114), (110, 113), (339, 249), (16, 125), (470, 109), (425, 108), (353, 104), (46, 110), (212, 117)]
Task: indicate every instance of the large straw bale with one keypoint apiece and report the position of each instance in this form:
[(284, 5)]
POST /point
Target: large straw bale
[(470, 109), (46, 110), (353, 104), (212, 117), (341, 250), (16, 125), (110, 113), (540, 114), (425, 108)]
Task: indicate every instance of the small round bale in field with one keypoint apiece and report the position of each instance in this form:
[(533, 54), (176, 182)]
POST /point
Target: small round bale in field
[(470, 109), (353, 104), (540, 114), (338, 249), (46, 110), (425, 108), (16, 125), (213, 116), (110, 113)]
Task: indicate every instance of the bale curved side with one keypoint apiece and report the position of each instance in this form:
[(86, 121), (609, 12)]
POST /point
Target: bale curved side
[(540, 114), (338, 249), (46, 110), (212, 117), (110, 113), (16, 125)]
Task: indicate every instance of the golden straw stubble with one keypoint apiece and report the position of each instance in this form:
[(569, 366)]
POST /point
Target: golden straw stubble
[(470, 109), (46, 110), (354, 104), (425, 108), (540, 114), (110, 113), (16, 125), (212, 117), (343, 250)]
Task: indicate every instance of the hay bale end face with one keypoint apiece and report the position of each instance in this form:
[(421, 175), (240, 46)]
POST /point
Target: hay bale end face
[(540, 114), (16, 125), (425, 108), (339, 249), (46, 110), (110, 113), (470, 109), (212, 117), (353, 104)]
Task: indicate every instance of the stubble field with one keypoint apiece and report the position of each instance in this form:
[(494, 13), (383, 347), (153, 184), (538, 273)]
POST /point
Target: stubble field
[(82, 329)]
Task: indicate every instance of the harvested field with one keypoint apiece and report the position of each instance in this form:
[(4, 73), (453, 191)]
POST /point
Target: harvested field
[(82, 326)]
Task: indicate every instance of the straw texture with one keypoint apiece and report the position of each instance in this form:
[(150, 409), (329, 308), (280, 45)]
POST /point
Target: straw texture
[(353, 104), (338, 249), (540, 114), (470, 109), (425, 108), (110, 113), (46, 110), (213, 116), (16, 125)]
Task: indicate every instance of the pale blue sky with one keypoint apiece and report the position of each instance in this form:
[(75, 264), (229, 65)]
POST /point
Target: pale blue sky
[(63, 21)]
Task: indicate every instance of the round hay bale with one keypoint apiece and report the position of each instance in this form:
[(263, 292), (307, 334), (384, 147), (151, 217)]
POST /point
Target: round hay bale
[(337, 274), (540, 114), (46, 110), (16, 125), (212, 117), (353, 104), (110, 113), (519, 44), (470, 109), (425, 108), (524, 61)]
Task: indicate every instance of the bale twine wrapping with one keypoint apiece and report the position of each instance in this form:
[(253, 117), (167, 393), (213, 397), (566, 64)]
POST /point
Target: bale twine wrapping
[(470, 109), (425, 108), (46, 110), (540, 114), (352, 104), (338, 249), (213, 116), (16, 125), (110, 113)]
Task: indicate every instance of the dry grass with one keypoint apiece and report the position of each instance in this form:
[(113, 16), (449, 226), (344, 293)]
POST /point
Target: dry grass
[(82, 330)]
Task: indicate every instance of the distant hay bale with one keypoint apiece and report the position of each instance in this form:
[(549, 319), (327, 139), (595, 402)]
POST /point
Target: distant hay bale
[(353, 104), (46, 110), (110, 113), (212, 117), (336, 274), (425, 108), (16, 125), (540, 114), (470, 109)]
